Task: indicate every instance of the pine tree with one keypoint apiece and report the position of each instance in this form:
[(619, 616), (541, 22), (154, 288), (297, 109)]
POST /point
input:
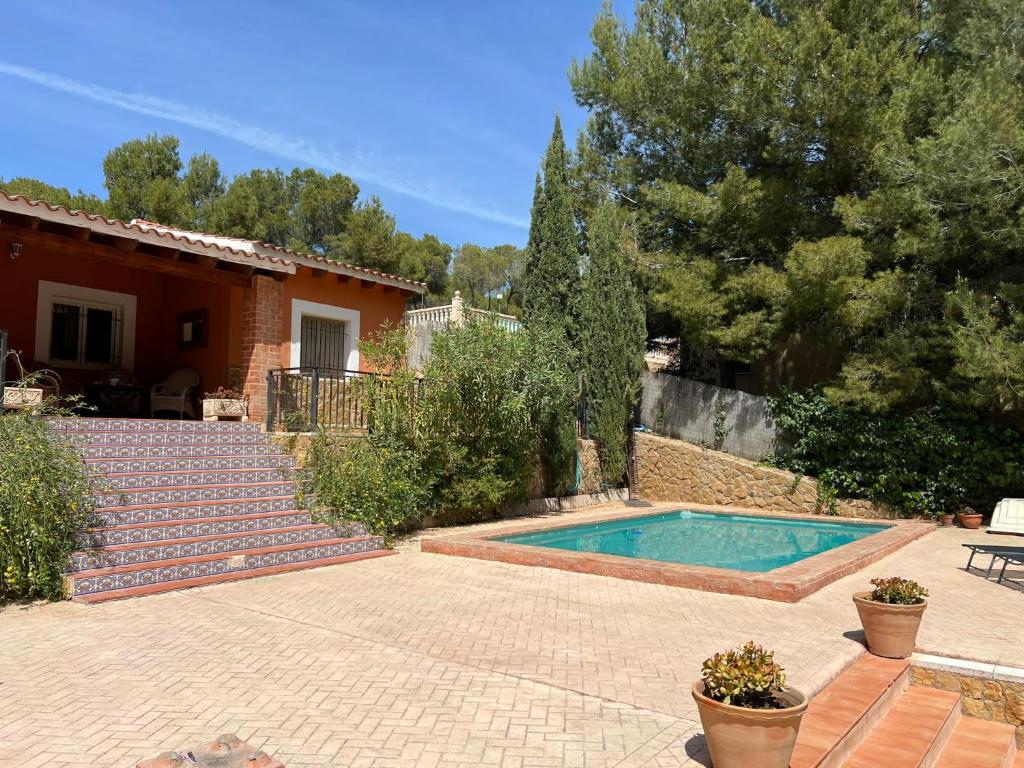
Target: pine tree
[(614, 335), (552, 280)]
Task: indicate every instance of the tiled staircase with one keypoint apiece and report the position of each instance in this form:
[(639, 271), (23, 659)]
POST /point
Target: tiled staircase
[(871, 717), (183, 503)]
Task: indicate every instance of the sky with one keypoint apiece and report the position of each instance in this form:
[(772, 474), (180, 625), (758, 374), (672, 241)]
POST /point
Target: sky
[(441, 108)]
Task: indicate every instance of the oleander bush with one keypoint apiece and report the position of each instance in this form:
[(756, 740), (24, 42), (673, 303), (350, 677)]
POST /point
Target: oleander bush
[(45, 497), (897, 591), (747, 676)]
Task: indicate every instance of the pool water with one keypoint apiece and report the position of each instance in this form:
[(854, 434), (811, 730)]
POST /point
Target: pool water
[(739, 542)]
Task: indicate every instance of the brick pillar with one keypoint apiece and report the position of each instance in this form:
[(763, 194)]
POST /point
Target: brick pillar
[(262, 329)]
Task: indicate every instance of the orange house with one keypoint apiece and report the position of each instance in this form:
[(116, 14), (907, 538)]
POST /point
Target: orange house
[(100, 301)]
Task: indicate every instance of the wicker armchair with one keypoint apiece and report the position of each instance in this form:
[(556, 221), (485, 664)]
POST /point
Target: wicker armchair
[(175, 393)]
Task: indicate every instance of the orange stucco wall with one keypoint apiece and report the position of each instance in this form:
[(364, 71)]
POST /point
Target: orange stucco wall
[(376, 307), (160, 299)]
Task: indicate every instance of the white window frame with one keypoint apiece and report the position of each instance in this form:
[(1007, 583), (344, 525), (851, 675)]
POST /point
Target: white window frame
[(301, 307), (51, 293)]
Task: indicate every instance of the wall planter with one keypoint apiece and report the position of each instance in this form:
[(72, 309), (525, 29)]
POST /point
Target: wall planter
[(740, 737), (225, 409), (18, 398), (891, 615)]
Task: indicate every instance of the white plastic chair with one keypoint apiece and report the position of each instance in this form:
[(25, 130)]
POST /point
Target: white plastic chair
[(1008, 517), (175, 393)]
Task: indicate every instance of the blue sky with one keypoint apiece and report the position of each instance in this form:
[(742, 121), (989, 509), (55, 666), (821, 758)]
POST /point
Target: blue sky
[(441, 108)]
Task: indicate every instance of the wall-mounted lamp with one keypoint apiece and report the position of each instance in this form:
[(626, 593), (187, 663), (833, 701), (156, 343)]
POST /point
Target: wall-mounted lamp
[(15, 251)]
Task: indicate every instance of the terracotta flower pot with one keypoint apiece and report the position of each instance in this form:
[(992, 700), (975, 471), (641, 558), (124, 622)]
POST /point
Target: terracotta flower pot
[(891, 630), (738, 737), (946, 521), (971, 521)]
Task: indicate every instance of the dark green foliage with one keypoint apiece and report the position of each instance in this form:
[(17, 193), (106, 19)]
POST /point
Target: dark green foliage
[(552, 277), (898, 591), (845, 174), (465, 438), (614, 336), (926, 462), (748, 677), (44, 499)]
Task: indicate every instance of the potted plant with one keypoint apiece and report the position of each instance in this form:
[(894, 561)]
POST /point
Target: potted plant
[(969, 518), (750, 718), (945, 519), (891, 614), (225, 404)]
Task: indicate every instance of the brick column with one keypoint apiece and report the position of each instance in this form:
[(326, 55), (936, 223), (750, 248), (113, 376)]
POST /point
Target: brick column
[(262, 329)]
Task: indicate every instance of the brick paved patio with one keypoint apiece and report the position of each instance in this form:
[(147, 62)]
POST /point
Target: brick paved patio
[(432, 660)]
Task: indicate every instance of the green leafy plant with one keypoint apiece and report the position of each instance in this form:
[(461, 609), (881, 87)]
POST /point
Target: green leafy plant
[(365, 480), (925, 462), (45, 497), (747, 676), (225, 393), (897, 591)]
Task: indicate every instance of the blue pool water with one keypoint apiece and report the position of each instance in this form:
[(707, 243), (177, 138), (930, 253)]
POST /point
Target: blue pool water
[(739, 542)]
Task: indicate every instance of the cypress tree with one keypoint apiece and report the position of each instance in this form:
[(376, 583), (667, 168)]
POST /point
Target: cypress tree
[(552, 279), (614, 336)]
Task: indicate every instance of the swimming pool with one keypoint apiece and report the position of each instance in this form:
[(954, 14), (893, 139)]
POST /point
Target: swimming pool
[(753, 544)]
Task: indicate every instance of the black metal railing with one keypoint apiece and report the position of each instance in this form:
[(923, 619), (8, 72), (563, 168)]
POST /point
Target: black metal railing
[(307, 399)]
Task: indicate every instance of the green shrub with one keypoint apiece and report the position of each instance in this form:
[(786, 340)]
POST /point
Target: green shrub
[(745, 677), (45, 497), (365, 480), (927, 462), (897, 591)]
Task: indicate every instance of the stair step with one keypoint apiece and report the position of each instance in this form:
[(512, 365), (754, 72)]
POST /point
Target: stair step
[(842, 714), (175, 495), (108, 517), (144, 437), (913, 732), (979, 744), (141, 553), (100, 424), (222, 578), (108, 536), (176, 571), (116, 451), (188, 463), (182, 478)]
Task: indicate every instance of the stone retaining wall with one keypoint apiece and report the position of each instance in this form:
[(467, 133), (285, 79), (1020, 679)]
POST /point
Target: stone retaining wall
[(986, 698), (673, 470)]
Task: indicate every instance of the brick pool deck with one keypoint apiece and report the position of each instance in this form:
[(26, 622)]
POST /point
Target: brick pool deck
[(788, 584), (427, 660)]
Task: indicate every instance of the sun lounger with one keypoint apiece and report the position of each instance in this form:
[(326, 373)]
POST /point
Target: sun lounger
[(1008, 517), (1002, 552)]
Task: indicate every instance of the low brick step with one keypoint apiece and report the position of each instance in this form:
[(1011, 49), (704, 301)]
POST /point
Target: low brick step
[(117, 451), (109, 517), (188, 463), (912, 734), (979, 744), (845, 711), (99, 583), (136, 553), (221, 578), (161, 437), (102, 424), (174, 495), (137, 533), (138, 481)]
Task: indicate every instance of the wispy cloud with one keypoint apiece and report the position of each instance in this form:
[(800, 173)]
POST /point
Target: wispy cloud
[(360, 165)]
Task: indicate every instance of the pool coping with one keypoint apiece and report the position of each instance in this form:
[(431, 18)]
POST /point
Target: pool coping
[(788, 584)]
